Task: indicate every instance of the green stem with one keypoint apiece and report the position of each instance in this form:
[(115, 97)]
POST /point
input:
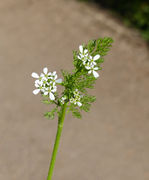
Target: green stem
[(57, 140)]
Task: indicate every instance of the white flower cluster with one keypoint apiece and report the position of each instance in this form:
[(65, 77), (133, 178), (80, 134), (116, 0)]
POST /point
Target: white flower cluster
[(63, 98), (76, 99), (88, 61), (46, 83)]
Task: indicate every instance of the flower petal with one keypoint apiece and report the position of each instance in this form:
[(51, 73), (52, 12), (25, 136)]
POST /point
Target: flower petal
[(90, 58), (51, 96), (42, 75), (54, 89), (85, 51), (55, 76), (79, 104), (36, 85), (96, 57), (45, 93), (79, 57), (96, 75), (36, 91), (81, 48), (87, 67), (89, 72), (96, 68), (84, 62), (35, 75), (54, 73), (37, 82), (45, 70), (58, 81)]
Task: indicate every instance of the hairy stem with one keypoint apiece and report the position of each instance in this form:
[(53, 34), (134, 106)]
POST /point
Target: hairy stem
[(57, 140)]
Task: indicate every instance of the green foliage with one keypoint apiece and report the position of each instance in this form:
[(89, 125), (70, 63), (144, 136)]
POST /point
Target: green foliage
[(91, 46), (75, 111), (80, 79), (103, 46), (100, 46), (47, 101), (86, 104), (86, 100), (51, 114)]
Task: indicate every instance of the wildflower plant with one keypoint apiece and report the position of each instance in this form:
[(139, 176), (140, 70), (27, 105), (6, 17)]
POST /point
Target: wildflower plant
[(74, 98)]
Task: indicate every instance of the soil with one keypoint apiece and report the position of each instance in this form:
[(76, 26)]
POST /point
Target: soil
[(109, 143)]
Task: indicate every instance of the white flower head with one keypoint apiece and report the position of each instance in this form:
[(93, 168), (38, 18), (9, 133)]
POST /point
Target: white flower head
[(63, 98), (89, 61), (76, 99), (46, 83)]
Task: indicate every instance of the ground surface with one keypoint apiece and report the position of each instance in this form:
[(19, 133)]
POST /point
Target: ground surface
[(109, 143)]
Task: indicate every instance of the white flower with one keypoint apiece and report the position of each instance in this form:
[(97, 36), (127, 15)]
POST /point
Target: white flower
[(88, 66), (89, 61), (53, 77), (46, 83), (93, 59), (93, 70), (76, 92), (83, 51), (83, 54), (38, 83), (79, 104), (76, 99), (49, 91), (45, 74), (62, 100)]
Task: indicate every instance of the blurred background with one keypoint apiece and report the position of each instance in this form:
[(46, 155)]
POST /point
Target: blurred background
[(134, 13), (111, 142)]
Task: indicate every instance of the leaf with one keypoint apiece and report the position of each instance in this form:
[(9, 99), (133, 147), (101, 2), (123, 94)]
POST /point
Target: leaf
[(91, 45), (103, 45), (51, 114), (47, 101), (75, 111), (77, 114), (85, 107)]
